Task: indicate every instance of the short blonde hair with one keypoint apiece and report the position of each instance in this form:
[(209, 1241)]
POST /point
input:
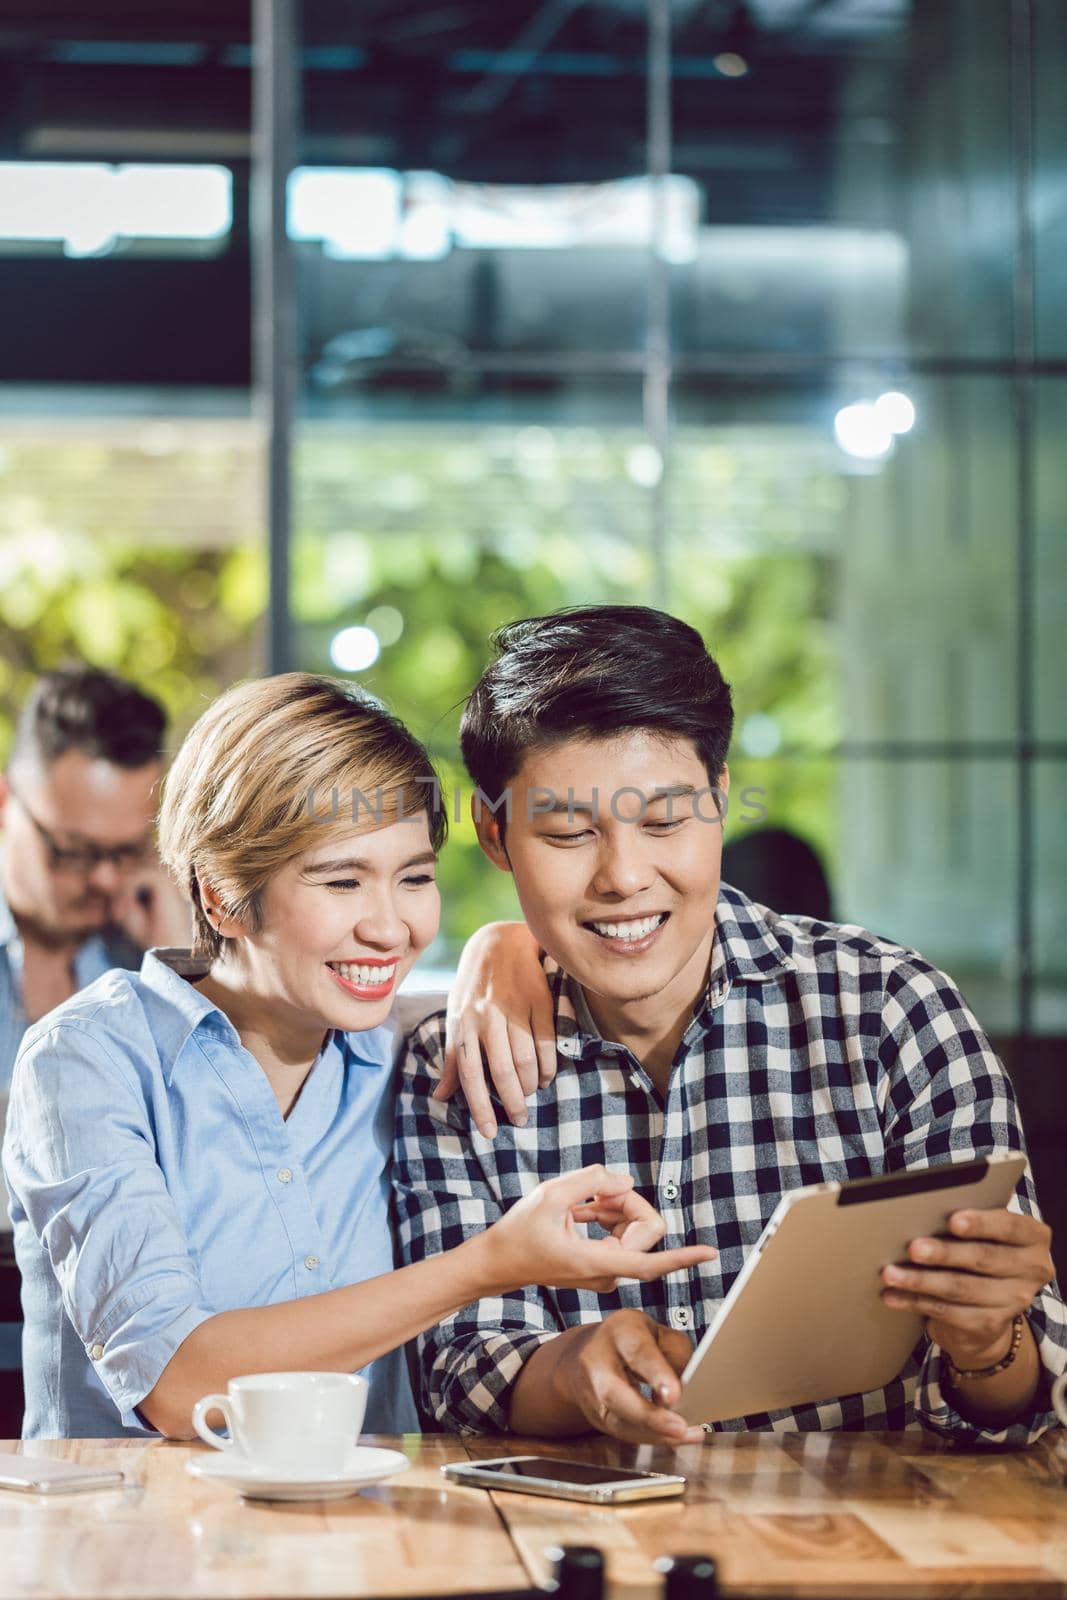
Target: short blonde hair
[(274, 768)]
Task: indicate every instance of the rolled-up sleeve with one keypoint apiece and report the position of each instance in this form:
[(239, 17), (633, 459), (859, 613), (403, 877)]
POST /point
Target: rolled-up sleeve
[(469, 1362), (947, 1097), (79, 1159)]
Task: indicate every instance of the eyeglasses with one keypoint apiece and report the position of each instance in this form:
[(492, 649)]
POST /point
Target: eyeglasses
[(86, 858)]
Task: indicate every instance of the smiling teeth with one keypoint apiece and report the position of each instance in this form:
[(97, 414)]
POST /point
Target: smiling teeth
[(628, 930), (365, 976)]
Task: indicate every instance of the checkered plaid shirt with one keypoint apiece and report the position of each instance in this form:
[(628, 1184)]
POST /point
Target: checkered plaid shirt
[(819, 1052)]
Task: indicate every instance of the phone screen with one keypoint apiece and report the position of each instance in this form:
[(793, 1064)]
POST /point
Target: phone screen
[(576, 1472)]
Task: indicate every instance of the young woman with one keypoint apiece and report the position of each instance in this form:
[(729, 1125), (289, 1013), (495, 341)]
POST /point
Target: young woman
[(198, 1154)]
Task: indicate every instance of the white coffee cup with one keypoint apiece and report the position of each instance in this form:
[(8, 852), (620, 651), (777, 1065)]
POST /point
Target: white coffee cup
[(1059, 1398), (293, 1423)]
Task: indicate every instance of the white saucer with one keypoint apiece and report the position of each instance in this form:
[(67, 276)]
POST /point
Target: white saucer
[(259, 1483)]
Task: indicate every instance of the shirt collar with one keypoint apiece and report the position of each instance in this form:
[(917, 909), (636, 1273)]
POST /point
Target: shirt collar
[(166, 974), (745, 950), (743, 932)]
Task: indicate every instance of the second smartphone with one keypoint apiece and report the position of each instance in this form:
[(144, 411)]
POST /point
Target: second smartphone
[(567, 1480)]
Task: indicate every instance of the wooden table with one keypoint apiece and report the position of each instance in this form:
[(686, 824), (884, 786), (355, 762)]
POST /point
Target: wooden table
[(829, 1515)]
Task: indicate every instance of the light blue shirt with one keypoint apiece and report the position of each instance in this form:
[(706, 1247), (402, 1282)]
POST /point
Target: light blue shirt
[(93, 958), (154, 1182)]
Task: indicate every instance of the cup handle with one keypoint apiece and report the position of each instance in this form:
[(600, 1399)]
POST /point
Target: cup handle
[(213, 1402), (360, 1383), (1057, 1399)]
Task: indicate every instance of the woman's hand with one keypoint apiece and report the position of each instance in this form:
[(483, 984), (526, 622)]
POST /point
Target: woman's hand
[(540, 1240), (499, 1009)]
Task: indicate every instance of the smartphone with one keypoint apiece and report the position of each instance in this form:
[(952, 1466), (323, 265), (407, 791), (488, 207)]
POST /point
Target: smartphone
[(38, 1475), (567, 1480)]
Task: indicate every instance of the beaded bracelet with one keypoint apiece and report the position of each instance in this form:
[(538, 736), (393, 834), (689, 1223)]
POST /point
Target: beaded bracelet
[(998, 1366)]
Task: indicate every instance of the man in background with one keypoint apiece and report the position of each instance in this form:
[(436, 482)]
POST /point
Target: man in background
[(80, 888)]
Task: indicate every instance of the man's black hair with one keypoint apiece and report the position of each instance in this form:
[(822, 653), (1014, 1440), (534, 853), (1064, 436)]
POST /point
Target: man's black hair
[(87, 709), (593, 672)]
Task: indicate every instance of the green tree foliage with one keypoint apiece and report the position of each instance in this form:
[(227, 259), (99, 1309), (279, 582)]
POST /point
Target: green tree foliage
[(150, 564)]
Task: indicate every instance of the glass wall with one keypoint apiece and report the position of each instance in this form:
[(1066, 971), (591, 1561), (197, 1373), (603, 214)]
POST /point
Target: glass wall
[(751, 310), (750, 321)]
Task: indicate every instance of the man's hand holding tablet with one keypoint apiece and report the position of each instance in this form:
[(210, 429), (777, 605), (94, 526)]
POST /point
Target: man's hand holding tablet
[(973, 1290)]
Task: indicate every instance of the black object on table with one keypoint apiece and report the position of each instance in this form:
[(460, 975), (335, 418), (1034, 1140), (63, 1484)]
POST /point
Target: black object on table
[(688, 1577), (11, 1392), (579, 1570)]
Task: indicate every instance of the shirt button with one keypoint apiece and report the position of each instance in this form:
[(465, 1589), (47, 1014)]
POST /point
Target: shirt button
[(671, 1190), (680, 1317), (97, 1352), (311, 1262), (285, 1175)]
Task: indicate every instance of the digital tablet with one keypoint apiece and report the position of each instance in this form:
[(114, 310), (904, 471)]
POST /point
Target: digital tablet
[(804, 1320)]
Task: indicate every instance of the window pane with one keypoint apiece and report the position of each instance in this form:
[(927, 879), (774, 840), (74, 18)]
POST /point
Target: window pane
[(1050, 908), (855, 597), (854, 169), (489, 191), (1050, 558), (928, 576), (134, 544), (928, 857), (921, 852), (1049, 207), (83, 208)]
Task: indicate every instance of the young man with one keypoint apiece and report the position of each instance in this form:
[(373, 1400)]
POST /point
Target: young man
[(77, 810), (723, 1053)]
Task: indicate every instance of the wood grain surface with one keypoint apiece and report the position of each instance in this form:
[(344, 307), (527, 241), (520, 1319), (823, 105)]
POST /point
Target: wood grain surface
[(828, 1515)]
